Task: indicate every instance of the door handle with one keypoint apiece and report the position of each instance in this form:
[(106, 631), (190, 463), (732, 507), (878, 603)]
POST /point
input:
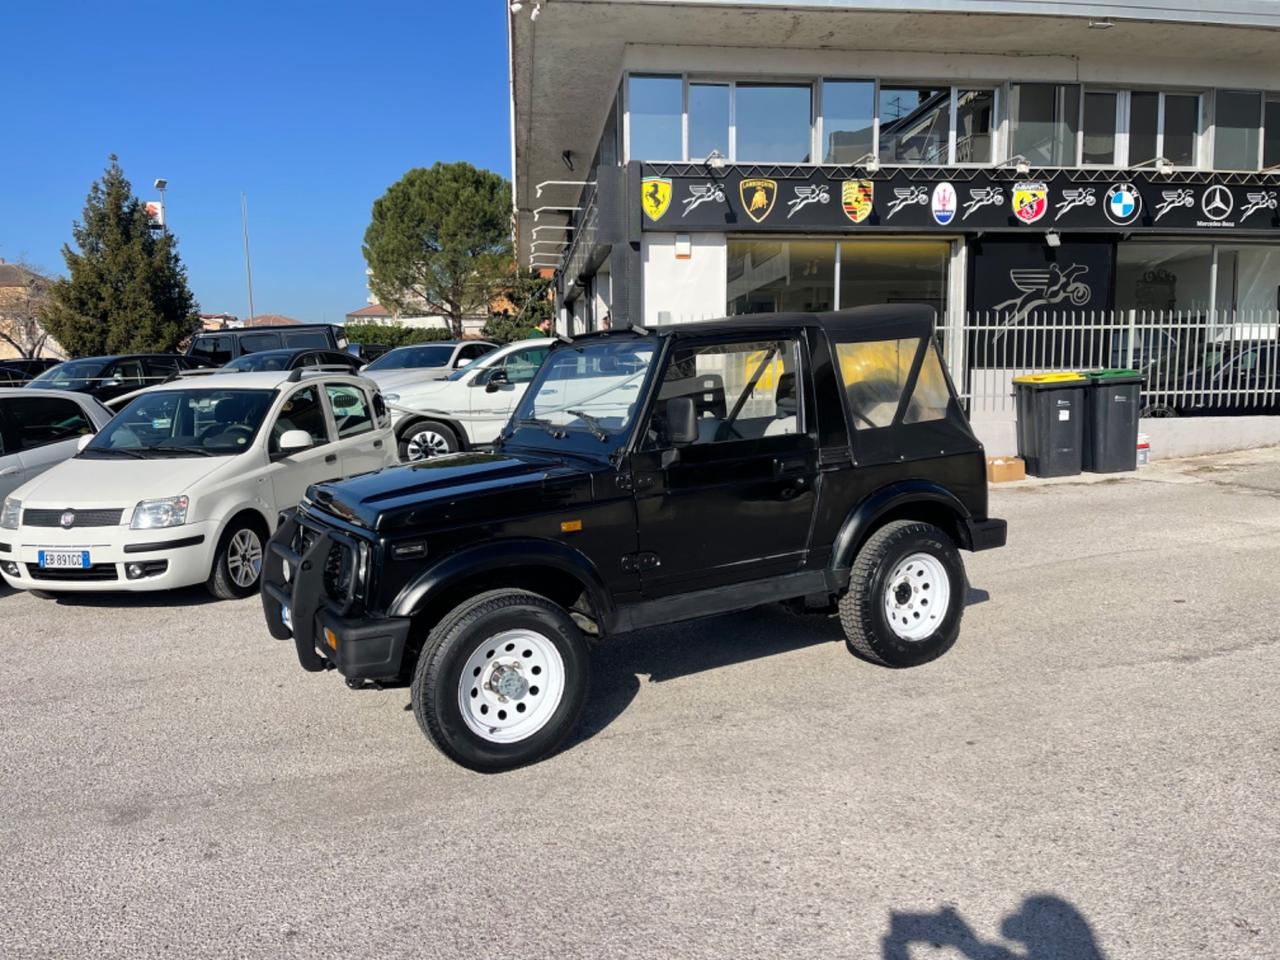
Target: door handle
[(8, 472), (789, 466), (331, 458)]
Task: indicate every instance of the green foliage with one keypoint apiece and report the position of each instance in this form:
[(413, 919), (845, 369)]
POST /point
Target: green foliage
[(127, 289), (394, 336), (439, 240), (530, 298)]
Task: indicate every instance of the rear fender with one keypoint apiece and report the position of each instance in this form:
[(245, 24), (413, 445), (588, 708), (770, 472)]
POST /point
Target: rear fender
[(866, 516)]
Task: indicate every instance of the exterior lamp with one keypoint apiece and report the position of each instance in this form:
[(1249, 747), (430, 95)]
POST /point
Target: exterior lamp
[(868, 162), (1053, 238)]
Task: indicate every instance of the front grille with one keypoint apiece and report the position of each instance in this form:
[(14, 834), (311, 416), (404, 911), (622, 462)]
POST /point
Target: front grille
[(83, 518), (339, 564), (99, 571)]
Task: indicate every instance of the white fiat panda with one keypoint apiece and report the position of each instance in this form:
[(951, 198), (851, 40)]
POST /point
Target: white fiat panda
[(186, 482)]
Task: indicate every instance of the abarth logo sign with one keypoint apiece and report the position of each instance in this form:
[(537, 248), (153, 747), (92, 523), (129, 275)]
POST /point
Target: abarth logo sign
[(758, 195), (655, 196), (1123, 204), (1030, 201), (856, 198)]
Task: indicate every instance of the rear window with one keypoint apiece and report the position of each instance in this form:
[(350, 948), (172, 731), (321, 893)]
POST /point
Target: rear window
[(216, 350), (875, 374)]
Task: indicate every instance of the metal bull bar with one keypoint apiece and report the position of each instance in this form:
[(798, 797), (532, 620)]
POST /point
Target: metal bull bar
[(302, 593)]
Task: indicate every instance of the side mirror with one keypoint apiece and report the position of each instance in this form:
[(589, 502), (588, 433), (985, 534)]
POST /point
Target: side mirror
[(462, 362), (84, 441), (496, 380), (113, 381), (682, 421), (292, 441)]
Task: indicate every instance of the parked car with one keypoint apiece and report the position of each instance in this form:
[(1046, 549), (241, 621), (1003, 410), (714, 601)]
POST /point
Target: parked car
[(220, 347), (187, 482), (14, 373), (647, 477), (367, 352), (293, 359), (468, 408), (107, 377), (1233, 378), (426, 361), (39, 428)]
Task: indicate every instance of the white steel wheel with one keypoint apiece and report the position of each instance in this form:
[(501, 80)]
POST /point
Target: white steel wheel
[(424, 443), (244, 558), (511, 686), (917, 595)]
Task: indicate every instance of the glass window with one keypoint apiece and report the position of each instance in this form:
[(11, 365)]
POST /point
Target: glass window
[(848, 120), (1236, 122), (127, 372), (1164, 276), (655, 111), (894, 271), (1248, 279), (771, 275), (1144, 124), (930, 398), (1271, 133), (875, 375), (755, 382), (592, 387), (1099, 141), (1181, 127), (975, 119), (306, 338), (31, 422), (253, 342), (217, 350), (161, 367), (418, 356), (184, 422), (708, 120), (523, 364), (915, 124), (350, 409), (301, 411), (1043, 119), (773, 122)]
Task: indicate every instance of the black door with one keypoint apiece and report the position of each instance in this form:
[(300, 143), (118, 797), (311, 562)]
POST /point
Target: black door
[(736, 503)]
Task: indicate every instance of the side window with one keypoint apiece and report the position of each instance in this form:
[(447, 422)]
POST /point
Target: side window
[(379, 409), (160, 368), (875, 374), (34, 422), (254, 342), (740, 391), (350, 409), (129, 373), (473, 351), (523, 364), (216, 350), (301, 411), (306, 338)]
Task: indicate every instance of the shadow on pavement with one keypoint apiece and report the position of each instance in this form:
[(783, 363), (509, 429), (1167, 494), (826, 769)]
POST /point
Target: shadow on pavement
[(181, 597), (1045, 927)]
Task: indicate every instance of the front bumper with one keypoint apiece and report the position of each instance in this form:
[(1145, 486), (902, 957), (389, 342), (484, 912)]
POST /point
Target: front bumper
[(324, 632), (987, 534)]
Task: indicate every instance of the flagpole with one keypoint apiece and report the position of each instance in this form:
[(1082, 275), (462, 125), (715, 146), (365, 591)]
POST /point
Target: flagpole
[(248, 268)]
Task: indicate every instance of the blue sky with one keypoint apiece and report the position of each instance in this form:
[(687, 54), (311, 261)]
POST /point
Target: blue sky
[(312, 109)]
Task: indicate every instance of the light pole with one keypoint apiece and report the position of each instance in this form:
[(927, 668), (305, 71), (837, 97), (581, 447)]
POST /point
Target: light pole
[(161, 184)]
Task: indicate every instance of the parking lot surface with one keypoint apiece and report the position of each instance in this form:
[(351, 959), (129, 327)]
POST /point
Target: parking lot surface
[(1091, 772)]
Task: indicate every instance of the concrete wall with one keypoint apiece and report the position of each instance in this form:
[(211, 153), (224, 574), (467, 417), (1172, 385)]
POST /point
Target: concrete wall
[(683, 289), (1170, 438)]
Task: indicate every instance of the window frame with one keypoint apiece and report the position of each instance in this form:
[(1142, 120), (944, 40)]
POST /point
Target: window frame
[(1120, 156), (1261, 128), (330, 425)]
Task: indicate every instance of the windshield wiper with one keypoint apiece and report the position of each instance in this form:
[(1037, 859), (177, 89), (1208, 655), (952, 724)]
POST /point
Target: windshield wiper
[(112, 451), (546, 425), (597, 431), (174, 448)]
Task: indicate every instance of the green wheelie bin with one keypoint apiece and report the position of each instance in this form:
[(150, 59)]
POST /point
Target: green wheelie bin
[(1051, 422), (1112, 402)]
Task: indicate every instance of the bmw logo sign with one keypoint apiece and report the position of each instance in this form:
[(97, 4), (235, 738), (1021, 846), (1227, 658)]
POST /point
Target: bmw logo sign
[(1123, 204)]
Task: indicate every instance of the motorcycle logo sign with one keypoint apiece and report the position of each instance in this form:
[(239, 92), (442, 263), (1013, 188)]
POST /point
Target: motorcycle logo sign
[(758, 195), (1044, 288), (1030, 201), (856, 199), (655, 196)]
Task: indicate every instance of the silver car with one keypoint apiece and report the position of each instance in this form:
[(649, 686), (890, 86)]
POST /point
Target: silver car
[(40, 428)]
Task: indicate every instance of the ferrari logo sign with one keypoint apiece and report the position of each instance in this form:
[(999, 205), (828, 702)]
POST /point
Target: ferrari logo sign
[(856, 197), (1030, 201), (655, 196), (757, 197)]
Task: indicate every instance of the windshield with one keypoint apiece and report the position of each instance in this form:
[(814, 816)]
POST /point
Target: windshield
[(72, 375), (177, 423), (257, 362), (412, 358), (594, 388)]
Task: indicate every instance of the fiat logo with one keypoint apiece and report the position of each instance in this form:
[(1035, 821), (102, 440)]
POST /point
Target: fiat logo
[(68, 519)]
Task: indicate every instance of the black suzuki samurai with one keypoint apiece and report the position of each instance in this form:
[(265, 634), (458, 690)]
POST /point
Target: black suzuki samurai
[(647, 476)]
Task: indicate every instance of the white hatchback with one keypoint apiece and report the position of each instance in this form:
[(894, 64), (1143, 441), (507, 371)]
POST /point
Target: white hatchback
[(187, 481)]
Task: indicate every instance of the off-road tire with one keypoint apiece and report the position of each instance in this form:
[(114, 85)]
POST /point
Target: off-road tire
[(862, 614), (221, 583), (442, 430), (435, 692)]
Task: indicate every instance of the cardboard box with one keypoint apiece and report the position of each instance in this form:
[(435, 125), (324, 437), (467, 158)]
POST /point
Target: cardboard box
[(1004, 469)]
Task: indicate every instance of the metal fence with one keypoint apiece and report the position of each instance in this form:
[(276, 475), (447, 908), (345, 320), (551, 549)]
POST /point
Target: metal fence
[(1192, 363)]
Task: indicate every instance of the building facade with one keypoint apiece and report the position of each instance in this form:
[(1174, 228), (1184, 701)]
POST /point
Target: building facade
[(692, 159)]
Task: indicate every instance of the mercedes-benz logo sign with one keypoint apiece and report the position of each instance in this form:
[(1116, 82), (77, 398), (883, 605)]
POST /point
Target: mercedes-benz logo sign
[(1217, 202), (67, 520)]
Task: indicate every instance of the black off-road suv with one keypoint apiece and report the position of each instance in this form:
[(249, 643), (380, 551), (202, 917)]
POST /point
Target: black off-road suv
[(647, 476)]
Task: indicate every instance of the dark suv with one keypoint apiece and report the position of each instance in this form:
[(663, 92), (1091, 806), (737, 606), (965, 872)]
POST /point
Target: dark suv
[(646, 477)]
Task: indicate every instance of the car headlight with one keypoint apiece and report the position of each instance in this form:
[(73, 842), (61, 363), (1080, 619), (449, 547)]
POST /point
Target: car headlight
[(10, 513), (152, 514), (391, 397)]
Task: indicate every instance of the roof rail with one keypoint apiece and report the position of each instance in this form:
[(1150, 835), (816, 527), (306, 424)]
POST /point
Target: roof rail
[(297, 373)]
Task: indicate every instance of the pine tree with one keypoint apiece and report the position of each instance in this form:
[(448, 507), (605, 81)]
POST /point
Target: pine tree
[(127, 289)]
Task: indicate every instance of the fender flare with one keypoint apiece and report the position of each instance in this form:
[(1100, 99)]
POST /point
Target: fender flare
[(487, 557), (875, 505)]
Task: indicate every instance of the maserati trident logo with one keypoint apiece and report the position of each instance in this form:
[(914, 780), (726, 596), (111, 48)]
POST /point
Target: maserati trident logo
[(67, 520)]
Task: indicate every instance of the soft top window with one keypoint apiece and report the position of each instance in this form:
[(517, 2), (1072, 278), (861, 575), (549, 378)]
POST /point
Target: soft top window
[(876, 374)]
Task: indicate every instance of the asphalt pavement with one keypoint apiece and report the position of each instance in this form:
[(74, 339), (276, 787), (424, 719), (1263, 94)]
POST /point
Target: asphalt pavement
[(1093, 771)]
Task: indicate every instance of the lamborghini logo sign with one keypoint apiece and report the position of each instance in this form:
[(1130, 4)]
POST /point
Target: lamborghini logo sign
[(655, 196), (757, 197)]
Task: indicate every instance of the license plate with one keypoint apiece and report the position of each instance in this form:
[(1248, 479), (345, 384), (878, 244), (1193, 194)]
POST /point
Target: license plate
[(64, 559), (285, 617)]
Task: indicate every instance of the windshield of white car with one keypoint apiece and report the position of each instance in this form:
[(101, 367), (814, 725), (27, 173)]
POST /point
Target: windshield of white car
[(184, 423), (72, 375), (594, 388), (413, 357)]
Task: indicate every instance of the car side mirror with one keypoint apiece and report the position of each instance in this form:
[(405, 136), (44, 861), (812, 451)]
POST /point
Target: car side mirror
[(682, 421), (292, 441), (462, 362), (496, 380), (84, 442)]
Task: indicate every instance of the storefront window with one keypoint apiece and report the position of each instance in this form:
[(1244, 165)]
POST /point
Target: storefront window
[(1164, 277), (1144, 126), (773, 122), (975, 119), (848, 120), (1271, 134), (771, 275), (1043, 119), (915, 124), (708, 120), (656, 113), (894, 271), (1181, 127), (1248, 279), (1099, 146), (1236, 121)]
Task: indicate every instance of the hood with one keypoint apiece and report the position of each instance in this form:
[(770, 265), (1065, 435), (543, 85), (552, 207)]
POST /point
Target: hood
[(398, 381), (83, 482), (459, 488)]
